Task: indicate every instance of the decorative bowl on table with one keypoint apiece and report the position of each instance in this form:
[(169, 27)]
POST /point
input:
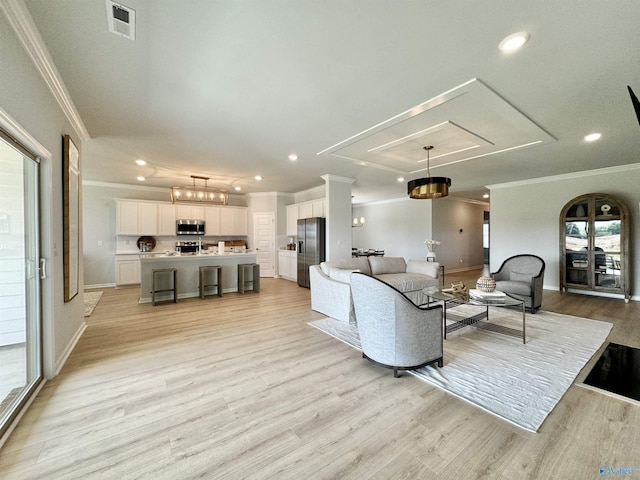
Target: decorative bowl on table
[(486, 284)]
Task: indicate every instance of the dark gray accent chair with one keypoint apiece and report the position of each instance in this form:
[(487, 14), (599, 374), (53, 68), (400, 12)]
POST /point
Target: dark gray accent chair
[(395, 332), (522, 276)]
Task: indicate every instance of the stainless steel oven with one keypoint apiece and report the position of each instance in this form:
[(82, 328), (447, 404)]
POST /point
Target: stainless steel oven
[(187, 247), (189, 227)]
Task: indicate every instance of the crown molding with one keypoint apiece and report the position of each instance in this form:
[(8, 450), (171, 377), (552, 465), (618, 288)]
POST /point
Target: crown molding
[(336, 178), (567, 176), (285, 195), (22, 23), (318, 189), (123, 186)]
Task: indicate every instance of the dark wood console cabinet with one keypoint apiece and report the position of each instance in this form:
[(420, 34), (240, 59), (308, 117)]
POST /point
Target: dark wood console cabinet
[(594, 245)]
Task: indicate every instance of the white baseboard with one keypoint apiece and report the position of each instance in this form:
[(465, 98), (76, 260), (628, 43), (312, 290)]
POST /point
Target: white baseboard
[(457, 270), (70, 346), (99, 285)]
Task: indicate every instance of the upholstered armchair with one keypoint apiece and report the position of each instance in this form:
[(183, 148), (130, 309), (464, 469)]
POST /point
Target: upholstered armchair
[(522, 276), (395, 332)]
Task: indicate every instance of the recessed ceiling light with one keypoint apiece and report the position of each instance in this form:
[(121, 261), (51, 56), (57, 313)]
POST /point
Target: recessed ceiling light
[(293, 157), (513, 42), (141, 179), (400, 179), (237, 189), (592, 137), (141, 162), (258, 177), (486, 195)]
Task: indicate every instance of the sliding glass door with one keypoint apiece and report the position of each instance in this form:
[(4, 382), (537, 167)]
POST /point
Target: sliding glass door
[(20, 304)]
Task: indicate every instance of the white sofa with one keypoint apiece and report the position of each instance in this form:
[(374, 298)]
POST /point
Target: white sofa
[(331, 290)]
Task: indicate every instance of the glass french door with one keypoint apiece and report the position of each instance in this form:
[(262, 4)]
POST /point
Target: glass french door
[(20, 302)]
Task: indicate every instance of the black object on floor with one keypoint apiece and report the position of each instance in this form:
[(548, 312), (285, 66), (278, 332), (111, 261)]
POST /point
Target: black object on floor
[(617, 371)]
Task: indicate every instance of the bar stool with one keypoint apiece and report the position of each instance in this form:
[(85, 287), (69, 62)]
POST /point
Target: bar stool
[(243, 268), (204, 270), (162, 271)]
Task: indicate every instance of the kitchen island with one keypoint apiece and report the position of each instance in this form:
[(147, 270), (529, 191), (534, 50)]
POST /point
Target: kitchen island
[(188, 272)]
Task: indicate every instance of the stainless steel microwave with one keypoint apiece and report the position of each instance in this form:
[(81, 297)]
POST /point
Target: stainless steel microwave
[(189, 227)]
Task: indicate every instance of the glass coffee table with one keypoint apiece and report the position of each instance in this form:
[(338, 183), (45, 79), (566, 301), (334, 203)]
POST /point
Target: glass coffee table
[(480, 320)]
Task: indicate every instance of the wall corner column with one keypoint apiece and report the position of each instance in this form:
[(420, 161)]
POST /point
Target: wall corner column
[(338, 216)]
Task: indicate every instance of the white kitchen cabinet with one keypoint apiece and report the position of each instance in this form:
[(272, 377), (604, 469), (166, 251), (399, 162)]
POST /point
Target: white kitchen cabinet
[(147, 218), (227, 221), (212, 220), (288, 265), (314, 208), (305, 210), (292, 219), (127, 269), (137, 218), (167, 219), (240, 224), (317, 208), (190, 212), (233, 221), (159, 218), (127, 217)]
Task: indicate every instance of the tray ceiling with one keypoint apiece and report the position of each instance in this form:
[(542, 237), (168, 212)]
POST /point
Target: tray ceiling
[(468, 122)]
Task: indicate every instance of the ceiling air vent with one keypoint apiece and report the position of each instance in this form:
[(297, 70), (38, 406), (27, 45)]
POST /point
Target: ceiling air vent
[(121, 19)]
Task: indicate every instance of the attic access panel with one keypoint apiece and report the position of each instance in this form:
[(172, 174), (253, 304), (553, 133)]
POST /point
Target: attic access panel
[(467, 122)]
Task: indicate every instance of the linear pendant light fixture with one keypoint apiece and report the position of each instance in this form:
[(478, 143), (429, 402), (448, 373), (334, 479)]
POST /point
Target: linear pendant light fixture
[(429, 187), (199, 194)]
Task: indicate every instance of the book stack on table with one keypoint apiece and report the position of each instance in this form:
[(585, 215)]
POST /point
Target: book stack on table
[(495, 296)]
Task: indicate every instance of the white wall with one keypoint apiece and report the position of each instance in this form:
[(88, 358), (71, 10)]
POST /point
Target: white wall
[(310, 194), (458, 225), (338, 215), (99, 217), (275, 202), (525, 215), (25, 97), (401, 226)]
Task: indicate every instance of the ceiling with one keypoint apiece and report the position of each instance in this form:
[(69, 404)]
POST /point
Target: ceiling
[(229, 89)]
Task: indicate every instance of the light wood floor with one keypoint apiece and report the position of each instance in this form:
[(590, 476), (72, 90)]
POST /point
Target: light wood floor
[(241, 387)]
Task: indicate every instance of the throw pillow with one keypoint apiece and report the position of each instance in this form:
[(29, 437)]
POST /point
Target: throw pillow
[(360, 263), (423, 267), (382, 265), (520, 277), (342, 274)]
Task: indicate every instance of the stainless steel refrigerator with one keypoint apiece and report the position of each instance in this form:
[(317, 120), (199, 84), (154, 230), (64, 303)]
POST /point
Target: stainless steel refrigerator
[(311, 246)]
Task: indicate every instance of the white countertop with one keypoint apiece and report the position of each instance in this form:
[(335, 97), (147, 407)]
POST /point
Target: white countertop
[(187, 256), (162, 254)]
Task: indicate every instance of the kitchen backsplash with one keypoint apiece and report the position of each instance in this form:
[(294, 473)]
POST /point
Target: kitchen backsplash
[(130, 243)]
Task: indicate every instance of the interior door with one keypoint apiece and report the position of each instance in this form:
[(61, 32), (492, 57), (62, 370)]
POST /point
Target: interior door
[(265, 242), (20, 299)]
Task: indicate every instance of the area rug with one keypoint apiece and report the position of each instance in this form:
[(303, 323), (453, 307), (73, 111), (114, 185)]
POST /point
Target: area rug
[(91, 299), (520, 383)]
